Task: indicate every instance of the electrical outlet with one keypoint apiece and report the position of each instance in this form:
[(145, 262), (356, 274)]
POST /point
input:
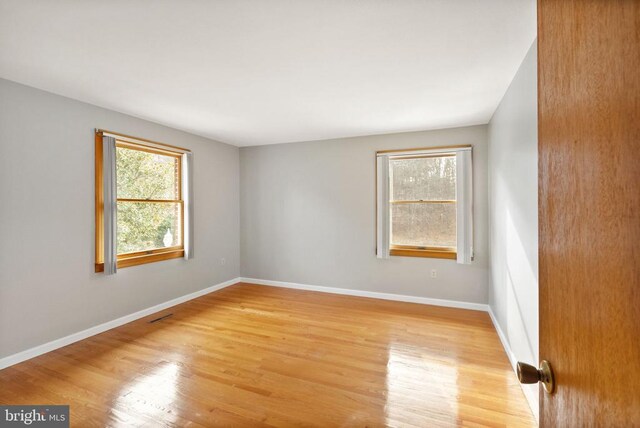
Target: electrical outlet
[(434, 273), (223, 261)]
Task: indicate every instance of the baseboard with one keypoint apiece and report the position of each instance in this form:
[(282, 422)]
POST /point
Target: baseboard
[(371, 294), (503, 339), (92, 331), (530, 395)]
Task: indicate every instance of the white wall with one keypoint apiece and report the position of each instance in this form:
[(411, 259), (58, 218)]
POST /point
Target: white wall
[(513, 189), (47, 285), (308, 216)]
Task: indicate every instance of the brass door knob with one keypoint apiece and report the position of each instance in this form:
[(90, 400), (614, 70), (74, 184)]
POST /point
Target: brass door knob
[(529, 374)]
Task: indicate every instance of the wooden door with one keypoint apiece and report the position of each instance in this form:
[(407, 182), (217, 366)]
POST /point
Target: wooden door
[(589, 176)]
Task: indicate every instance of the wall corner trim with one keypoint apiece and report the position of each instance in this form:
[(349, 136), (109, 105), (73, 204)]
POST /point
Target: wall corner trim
[(92, 331), (371, 294)]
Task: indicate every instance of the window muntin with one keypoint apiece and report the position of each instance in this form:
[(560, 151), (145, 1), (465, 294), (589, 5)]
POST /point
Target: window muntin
[(149, 200), (423, 204)]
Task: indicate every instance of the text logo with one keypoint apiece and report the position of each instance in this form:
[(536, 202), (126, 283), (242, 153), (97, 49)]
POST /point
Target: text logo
[(34, 416)]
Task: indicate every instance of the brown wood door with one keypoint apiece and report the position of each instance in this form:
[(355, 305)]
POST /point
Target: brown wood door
[(589, 176)]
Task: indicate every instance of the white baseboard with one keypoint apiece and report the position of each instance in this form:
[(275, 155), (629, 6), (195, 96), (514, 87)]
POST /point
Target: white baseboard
[(503, 340), (92, 331), (371, 294), (529, 392)]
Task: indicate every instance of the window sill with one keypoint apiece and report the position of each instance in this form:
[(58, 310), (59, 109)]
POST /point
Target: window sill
[(428, 253), (136, 259)]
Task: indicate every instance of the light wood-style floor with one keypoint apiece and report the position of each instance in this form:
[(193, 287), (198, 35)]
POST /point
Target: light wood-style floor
[(253, 355)]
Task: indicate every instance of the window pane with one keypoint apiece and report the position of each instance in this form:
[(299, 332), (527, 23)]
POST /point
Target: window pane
[(144, 175), (148, 225), (426, 179), (423, 225)]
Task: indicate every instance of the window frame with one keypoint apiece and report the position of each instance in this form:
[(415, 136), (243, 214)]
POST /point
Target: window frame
[(450, 253), (138, 257)]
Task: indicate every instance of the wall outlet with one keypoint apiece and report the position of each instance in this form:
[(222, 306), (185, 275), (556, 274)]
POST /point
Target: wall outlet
[(223, 261), (434, 273)]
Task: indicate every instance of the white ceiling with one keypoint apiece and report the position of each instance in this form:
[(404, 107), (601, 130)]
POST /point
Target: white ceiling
[(251, 72)]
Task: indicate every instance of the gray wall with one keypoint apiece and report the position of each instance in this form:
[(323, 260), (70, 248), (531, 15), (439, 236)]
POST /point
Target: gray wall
[(513, 189), (47, 285), (308, 216)]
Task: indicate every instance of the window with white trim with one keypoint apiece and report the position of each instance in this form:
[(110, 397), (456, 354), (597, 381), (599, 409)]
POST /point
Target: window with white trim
[(425, 203)]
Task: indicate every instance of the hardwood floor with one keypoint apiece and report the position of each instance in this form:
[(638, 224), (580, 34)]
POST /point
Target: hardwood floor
[(252, 355)]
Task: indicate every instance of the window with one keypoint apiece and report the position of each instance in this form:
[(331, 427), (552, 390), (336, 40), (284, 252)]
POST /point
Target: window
[(149, 208), (419, 211), (423, 205)]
